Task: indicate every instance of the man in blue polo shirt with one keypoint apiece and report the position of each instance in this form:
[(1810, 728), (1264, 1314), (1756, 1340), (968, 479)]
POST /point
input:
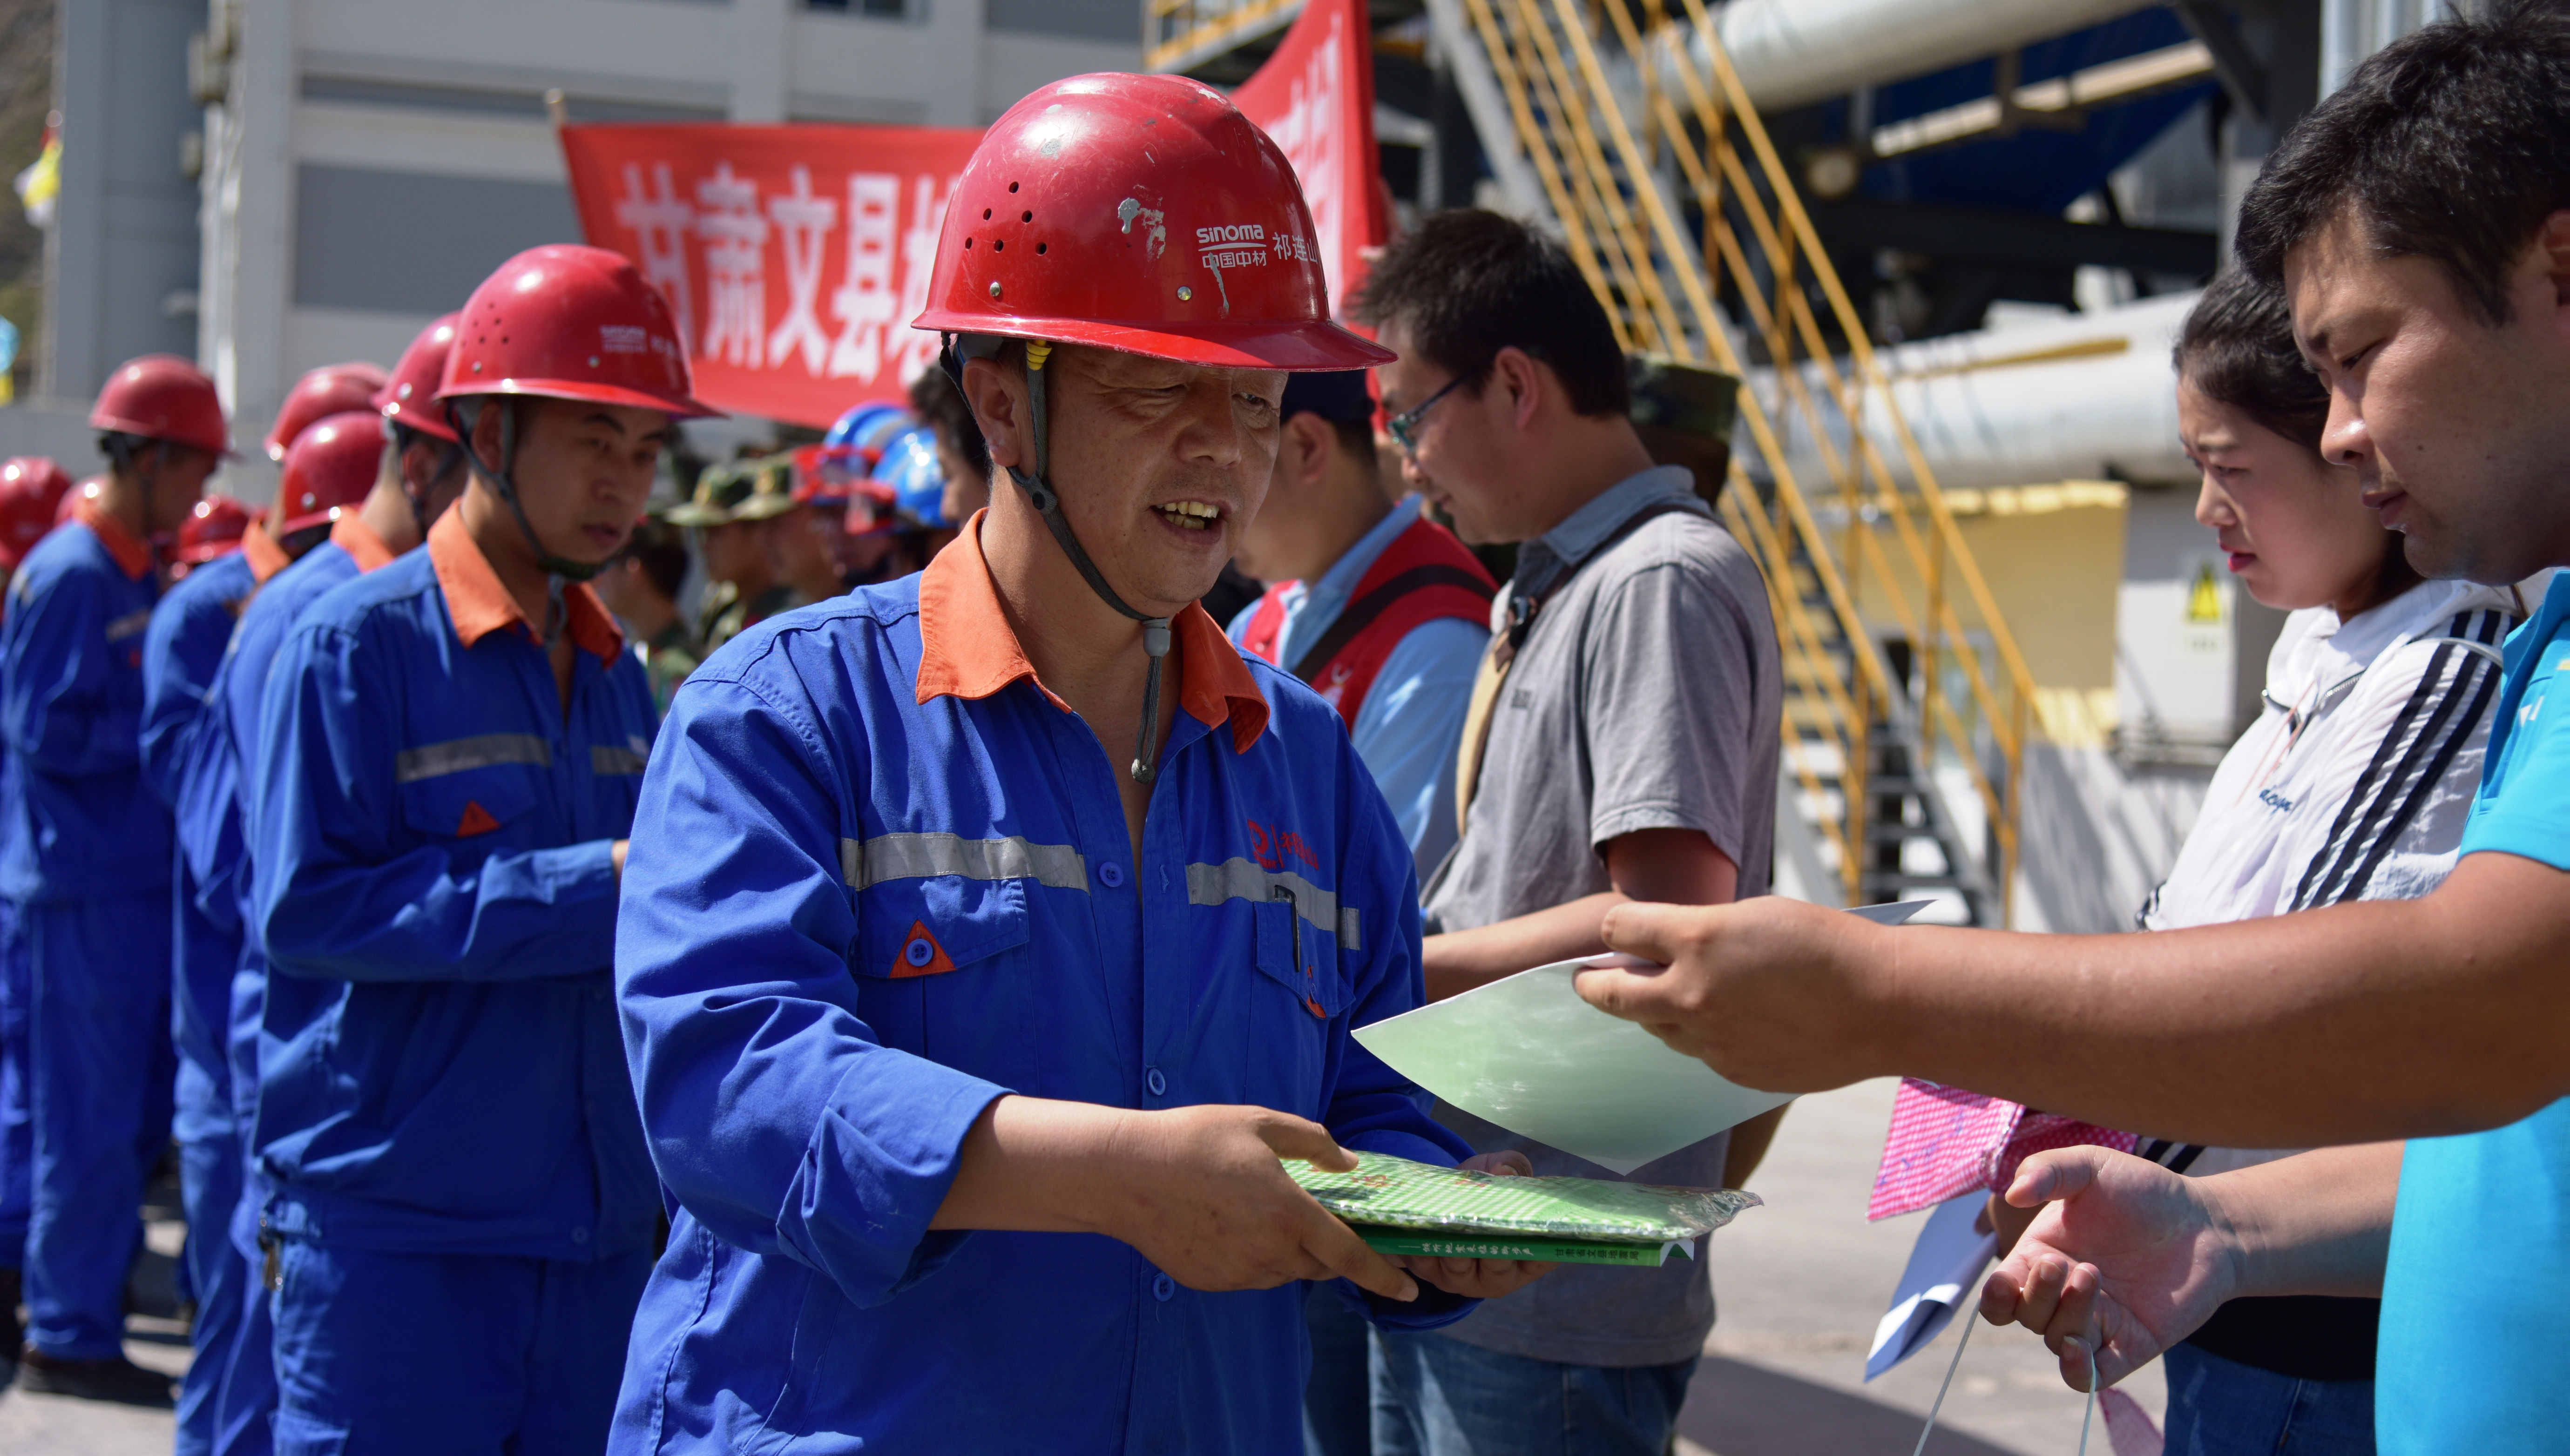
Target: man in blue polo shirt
[(930, 980), (459, 1209), (90, 865), (2419, 222)]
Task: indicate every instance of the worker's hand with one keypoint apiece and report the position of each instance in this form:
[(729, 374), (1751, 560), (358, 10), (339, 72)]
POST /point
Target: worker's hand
[(615, 854), (1483, 1279), (1199, 1191), (2125, 1259), (1770, 992)]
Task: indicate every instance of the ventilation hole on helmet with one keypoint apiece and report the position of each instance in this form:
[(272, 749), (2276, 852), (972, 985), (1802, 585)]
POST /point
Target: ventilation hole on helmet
[(1040, 247), (986, 214), (1026, 217), (1013, 186), (967, 244), (997, 245)]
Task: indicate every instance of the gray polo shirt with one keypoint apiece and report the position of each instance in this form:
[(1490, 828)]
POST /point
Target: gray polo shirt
[(1646, 696)]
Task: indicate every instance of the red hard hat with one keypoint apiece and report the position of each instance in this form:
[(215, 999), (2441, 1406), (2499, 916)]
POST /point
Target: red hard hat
[(162, 397), (213, 528), (1142, 213), (328, 469), (84, 490), (32, 490), (570, 322), (332, 389), (406, 399)]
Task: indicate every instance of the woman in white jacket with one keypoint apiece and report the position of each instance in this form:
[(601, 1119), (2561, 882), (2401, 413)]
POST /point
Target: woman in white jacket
[(2352, 785)]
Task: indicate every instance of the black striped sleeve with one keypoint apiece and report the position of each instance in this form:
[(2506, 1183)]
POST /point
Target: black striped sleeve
[(2447, 706)]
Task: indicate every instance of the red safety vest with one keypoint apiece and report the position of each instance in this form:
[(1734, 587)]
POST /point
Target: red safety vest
[(1425, 574)]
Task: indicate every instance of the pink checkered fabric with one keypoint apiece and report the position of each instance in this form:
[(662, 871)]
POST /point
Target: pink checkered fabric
[(1945, 1141)]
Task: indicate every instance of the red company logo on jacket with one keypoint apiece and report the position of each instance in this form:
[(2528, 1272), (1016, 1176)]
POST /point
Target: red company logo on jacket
[(1269, 848)]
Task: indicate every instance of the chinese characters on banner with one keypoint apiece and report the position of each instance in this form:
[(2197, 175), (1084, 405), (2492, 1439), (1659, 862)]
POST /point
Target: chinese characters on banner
[(1315, 96), (794, 257)]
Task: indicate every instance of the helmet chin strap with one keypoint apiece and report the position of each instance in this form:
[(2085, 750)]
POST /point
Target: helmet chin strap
[(558, 569), (1048, 503)]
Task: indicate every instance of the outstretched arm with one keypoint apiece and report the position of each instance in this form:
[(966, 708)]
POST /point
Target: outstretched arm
[(2128, 1258), (2388, 1019)]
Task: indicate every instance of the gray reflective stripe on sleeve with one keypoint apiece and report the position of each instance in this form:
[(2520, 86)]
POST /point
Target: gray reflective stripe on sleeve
[(454, 756), (128, 624), (920, 855), (1239, 879), (607, 758)]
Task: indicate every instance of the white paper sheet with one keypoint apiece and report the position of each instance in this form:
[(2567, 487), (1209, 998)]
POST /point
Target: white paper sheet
[(1944, 1271), (1529, 1054)]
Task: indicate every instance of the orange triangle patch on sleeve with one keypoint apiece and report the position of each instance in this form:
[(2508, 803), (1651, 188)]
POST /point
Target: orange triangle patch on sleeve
[(477, 820), (920, 954)]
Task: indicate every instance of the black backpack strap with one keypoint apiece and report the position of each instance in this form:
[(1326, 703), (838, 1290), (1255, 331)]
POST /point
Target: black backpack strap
[(1523, 609), (1362, 612)]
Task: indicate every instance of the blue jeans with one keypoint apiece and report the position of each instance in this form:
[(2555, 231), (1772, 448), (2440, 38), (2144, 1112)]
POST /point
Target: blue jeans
[(1434, 1396), (1338, 1399), (2219, 1407)]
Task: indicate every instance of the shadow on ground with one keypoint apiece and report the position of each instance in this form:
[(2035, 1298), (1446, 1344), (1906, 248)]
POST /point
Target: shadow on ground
[(1738, 1410)]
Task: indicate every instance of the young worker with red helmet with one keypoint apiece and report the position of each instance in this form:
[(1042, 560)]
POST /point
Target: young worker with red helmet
[(404, 467), (329, 466), (332, 389), (32, 488), (460, 1211), (89, 864), (991, 933)]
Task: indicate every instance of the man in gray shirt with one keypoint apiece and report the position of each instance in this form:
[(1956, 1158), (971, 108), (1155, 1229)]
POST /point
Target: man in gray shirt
[(1622, 745)]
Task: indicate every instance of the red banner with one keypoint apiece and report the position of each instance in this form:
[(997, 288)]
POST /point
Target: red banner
[(794, 257), (797, 256), (1315, 96)]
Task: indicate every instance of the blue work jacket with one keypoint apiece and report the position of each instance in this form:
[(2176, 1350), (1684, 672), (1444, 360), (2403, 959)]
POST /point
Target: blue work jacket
[(70, 707), (211, 832), (439, 1068), (181, 652), (881, 877)]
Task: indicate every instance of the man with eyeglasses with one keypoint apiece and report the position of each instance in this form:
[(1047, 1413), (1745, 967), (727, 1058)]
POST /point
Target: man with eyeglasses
[(1621, 744)]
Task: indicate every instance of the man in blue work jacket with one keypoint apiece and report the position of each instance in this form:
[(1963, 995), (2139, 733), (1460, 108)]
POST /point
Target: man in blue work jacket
[(928, 979), (420, 472), (180, 652), (188, 760), (89, 864), (31, 492), (450, 748)]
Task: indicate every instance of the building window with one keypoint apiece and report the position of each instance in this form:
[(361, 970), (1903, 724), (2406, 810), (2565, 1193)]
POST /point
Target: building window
[(883, 9)]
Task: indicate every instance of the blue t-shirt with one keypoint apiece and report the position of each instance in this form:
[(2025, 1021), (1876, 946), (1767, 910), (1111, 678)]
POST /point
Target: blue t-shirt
[(2476, 1299)]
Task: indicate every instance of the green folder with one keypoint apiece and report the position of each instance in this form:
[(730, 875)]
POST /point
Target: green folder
[(1402, 1207)]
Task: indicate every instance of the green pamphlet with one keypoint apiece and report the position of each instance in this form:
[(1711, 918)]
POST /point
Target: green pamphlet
[(1401, 1206)]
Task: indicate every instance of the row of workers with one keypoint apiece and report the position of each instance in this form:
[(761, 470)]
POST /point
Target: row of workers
[(484, 975)]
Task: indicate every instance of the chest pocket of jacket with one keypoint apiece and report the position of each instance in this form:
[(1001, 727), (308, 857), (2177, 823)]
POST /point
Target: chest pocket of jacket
[(471, 789), (1297, 955), (943, 972)]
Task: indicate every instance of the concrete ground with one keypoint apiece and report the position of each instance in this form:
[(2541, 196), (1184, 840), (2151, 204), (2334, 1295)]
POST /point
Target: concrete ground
[(1800, 1283)]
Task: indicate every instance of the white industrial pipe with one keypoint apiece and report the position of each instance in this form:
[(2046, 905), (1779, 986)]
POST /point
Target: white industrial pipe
[(1790, 52), (2089, 397)]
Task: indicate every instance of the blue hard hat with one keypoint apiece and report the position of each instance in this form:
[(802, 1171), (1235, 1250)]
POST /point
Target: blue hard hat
[(910, 467), (849, 452)]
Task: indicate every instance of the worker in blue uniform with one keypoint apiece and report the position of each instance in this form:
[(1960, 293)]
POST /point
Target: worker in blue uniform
[(328, 466), (31, 492), (460, 1209), (181, 651), (418, 476), (89, 864), (931, 978)]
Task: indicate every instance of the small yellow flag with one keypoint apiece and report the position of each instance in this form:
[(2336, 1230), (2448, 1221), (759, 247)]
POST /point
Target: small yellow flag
[(2204, 601)]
